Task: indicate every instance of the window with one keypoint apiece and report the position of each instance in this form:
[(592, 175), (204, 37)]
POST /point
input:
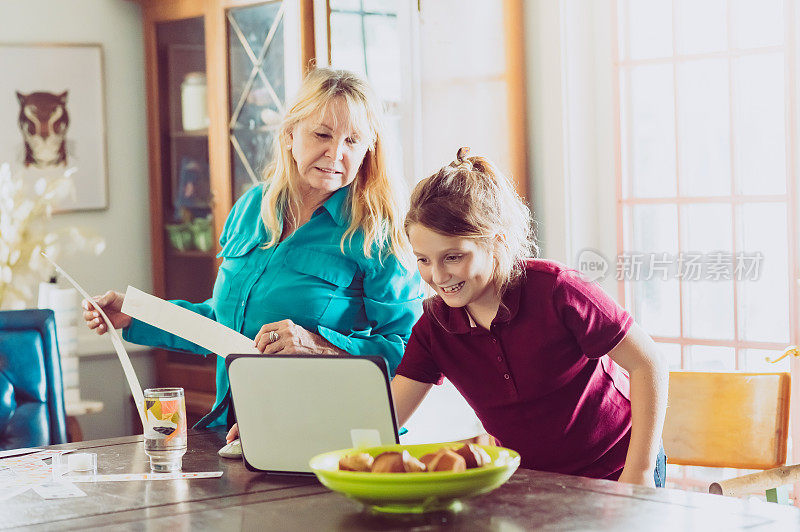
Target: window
[(450, 74), (706, 180), (448, 71), (365, 36)]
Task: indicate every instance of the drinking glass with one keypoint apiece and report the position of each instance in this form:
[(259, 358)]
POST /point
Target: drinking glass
[(165, 430)]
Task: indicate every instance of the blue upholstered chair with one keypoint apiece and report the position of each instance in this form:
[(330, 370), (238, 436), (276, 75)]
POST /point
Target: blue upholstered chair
[(31, 392)]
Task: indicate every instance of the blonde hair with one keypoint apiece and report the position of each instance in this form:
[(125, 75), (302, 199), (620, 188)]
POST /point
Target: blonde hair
[(373, 203), (471, 198)]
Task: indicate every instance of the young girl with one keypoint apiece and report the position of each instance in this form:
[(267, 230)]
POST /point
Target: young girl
[(533, 348)]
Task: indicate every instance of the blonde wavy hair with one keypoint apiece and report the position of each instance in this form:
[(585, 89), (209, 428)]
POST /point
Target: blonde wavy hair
[(471, 198), (373, 200)]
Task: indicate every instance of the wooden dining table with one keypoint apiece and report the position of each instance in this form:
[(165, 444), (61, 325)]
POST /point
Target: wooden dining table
[(246, 500)]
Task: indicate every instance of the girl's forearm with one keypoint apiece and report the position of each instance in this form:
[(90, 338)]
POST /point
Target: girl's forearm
[(649, 384)]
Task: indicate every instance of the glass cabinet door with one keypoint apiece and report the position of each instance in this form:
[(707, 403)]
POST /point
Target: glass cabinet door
[(186, 256), (256, 47), (185, 183)]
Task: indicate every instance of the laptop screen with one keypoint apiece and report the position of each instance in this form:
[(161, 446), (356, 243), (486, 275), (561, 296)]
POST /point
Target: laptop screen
[(293, 407)]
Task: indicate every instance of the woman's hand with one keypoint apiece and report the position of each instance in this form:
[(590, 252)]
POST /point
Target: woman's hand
[(638, 477), (111, 303), (233, 433), (287, 338)]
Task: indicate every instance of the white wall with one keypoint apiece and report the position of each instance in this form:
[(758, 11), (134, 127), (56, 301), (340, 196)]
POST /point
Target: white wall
[(545, 126), (125, 225), (571, 123)]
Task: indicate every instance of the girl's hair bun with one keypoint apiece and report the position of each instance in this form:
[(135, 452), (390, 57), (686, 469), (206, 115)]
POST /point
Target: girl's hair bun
[(471, 198)]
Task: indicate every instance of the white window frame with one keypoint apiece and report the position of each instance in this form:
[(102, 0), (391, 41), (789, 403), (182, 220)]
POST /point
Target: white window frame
[(409, 106), (570, 49)]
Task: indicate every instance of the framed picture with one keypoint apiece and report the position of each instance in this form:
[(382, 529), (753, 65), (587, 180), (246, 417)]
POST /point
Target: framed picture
[(52, 117)]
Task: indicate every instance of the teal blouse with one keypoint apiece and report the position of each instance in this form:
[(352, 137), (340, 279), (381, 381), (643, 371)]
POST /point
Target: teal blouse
[(358, 304)]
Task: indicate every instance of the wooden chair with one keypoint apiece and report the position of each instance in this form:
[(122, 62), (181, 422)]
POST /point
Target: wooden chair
[(734, 419)]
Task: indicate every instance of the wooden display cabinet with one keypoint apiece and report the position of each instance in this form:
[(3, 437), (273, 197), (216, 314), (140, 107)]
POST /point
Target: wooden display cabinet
[(249, 55)]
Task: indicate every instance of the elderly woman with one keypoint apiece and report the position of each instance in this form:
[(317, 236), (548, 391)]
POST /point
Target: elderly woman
[(314, 258)]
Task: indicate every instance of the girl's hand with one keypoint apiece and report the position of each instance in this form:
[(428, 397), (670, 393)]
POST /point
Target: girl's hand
[(111, 303), (640, 478), (287, 338), (233, 433)]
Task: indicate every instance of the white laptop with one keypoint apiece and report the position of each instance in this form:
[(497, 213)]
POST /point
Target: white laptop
[(293, 407)]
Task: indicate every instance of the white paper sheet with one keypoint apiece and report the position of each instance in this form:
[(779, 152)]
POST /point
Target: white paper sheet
[(59, 489), (122, 354), (20, 473), (11, 485), (189, 325), (17, 452), (125, 477), (36, 457), (8, 491)]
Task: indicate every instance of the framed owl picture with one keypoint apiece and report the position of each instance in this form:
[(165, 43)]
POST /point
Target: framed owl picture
[(52, 118)]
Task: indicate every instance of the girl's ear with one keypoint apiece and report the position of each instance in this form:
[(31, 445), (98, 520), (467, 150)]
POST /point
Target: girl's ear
[(500, 240)]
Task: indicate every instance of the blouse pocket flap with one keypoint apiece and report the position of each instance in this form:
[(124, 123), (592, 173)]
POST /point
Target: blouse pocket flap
[(336, 270), (237, 247)]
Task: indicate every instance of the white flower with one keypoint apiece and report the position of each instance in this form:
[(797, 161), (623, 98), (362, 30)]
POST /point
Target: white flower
[(24, 211), (14, 256), (40, 186), (9, 233), (51, 251)]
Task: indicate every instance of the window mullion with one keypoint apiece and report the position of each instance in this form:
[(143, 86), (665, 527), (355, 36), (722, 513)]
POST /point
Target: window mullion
[(678, 191), (732, 144)]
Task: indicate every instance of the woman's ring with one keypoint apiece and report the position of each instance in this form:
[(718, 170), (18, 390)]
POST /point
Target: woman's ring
[(273, 336)]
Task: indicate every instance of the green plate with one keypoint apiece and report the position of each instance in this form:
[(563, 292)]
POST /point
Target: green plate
[(414, 492)]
